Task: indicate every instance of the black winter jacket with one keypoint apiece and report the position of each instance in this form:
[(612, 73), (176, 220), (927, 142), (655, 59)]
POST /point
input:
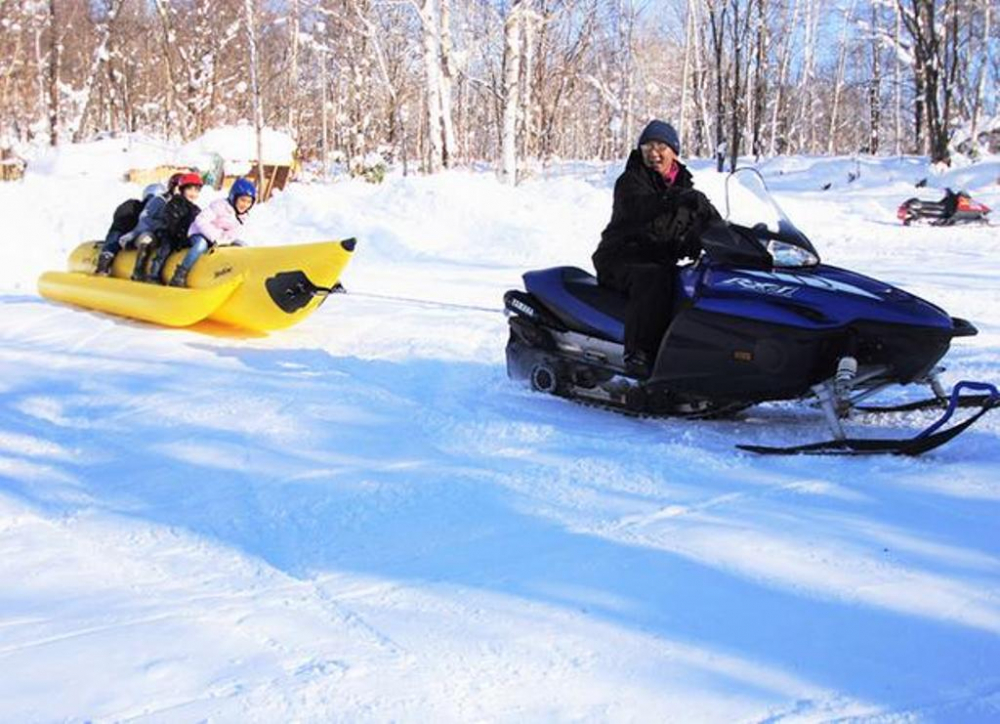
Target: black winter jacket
[(172, 224), (126, 215), (651, 219)]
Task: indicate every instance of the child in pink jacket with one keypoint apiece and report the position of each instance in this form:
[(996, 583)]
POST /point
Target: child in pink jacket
[(219, 223)]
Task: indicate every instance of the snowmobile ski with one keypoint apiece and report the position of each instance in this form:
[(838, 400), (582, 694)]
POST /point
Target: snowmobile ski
[(931, 438)]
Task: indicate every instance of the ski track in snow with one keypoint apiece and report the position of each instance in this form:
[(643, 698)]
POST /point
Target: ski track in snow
[(362, 519)]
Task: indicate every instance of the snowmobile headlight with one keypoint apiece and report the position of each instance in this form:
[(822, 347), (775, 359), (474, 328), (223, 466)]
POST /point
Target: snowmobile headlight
[(785, 254)]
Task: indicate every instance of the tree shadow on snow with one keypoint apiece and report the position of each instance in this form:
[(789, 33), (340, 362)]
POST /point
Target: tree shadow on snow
[(443, 472)]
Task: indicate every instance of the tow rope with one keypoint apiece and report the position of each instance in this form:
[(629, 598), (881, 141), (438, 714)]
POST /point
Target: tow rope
[(291, 291), (339, 289)]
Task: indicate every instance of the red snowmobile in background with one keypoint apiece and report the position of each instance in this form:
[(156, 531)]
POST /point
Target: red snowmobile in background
[(954, 208)]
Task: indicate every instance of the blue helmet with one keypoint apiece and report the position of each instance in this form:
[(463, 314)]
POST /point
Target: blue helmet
[(242, 187), (153, 190)]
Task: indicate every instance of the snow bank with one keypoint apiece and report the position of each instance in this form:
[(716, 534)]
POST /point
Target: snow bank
[(107, 159), (818, 173), (113, 158), (238, 145)]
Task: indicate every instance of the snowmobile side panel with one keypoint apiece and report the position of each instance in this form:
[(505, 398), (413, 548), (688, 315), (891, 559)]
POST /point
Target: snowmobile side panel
[(823, 297), (713, 356), (710, 355), (523, 304)]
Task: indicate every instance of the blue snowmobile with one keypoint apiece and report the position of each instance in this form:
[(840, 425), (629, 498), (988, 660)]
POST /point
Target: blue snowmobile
[(758, 319)]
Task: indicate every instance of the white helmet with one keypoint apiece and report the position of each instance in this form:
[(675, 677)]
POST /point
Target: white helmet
[(153, 190)]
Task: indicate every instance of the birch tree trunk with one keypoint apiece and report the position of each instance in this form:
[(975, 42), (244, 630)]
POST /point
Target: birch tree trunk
[(736, 101), (293, 71), (977, 102), (897, 80), (432, 76), (737, 119), (875, 86), (807, 82), (76, 124), (779, 102), (760, 80), (529, 23), (53, 75), (688, 39), (170, 104), (447, 79), (703, 114), (258, 103), (838, 82), (717, 21), (324, 102), (930, 72), (626, 19), (511, 76)]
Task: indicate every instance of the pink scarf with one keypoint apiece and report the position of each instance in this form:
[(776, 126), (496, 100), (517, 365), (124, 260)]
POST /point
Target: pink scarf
[(671, 175)]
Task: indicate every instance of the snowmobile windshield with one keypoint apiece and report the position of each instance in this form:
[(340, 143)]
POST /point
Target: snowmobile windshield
[(753, 213)]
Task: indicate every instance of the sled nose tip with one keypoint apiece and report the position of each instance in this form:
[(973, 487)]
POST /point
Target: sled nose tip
[(349, 244)]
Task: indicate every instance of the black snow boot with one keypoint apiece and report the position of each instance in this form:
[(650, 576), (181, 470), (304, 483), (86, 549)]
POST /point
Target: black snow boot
[(637, 364), (141, 259), (180, 276), (155, 275), (104, 261)]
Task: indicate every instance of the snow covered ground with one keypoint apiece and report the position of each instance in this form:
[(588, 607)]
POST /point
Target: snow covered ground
[(362, 519)]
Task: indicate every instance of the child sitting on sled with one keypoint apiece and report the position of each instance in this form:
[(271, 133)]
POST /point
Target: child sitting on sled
[(217, 224), (169, 229), (131, 219)]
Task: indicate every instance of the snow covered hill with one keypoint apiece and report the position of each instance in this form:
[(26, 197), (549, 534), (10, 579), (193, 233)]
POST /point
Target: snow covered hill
[(362, 519)]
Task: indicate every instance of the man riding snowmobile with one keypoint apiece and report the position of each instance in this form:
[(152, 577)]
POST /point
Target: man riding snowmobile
[(953, 208), (757, 318), (656, 220)]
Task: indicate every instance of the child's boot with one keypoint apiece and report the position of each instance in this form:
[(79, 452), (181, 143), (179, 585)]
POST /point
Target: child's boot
[(141, 259), (104, 260), (156, 266), (180, 276)]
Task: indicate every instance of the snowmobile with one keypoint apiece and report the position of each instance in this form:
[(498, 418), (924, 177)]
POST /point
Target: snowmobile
[(953, 208), (759, 319)]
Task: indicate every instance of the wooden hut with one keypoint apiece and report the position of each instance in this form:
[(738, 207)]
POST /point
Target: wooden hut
[(11, 166)]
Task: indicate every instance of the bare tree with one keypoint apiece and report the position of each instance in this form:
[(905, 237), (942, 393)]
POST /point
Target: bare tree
[(55, 49), (450, 81), (838, 83), (875, 85), (930, 65), (511, 76), (250, 20)]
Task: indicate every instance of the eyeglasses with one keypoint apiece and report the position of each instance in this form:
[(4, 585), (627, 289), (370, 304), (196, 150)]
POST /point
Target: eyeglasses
[(650, 146)]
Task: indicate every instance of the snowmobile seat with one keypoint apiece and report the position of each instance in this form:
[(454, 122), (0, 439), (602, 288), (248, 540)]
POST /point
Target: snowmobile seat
[(579, 302)]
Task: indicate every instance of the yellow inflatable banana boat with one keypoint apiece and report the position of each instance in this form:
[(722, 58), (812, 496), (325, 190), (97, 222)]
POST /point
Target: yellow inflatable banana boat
[(169, 306), (257, 288)]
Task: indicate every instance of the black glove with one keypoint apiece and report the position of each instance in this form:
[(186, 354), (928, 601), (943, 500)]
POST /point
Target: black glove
[(669, 231), (699, 204), (691, 199), (690, 245)]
